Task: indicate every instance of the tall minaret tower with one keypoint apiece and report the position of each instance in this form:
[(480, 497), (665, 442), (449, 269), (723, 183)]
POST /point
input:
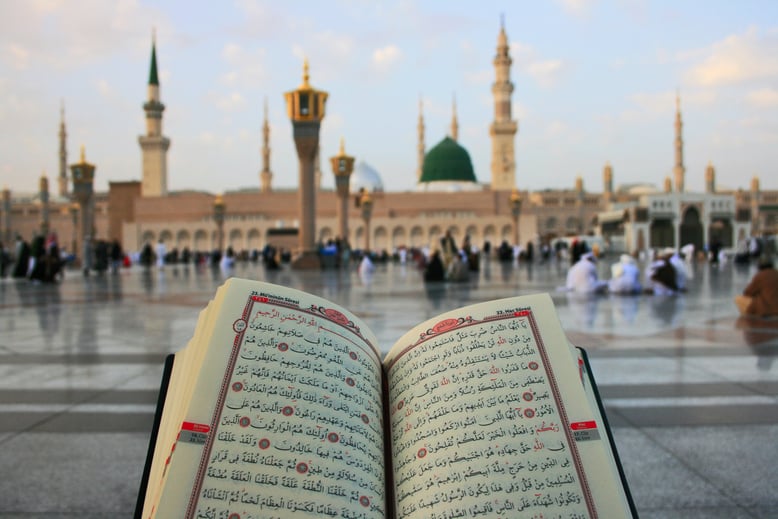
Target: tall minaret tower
[(679, 170), (420, 146), (503, 129), (63, 153), (265, 176), (607, 182), (454, 122), (154, 145), (710, 178)]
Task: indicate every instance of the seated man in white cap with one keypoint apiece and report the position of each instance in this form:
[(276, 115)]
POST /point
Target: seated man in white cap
[(625, 276), (582, 276)]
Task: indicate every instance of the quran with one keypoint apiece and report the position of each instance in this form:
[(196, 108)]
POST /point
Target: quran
[(282, 405)]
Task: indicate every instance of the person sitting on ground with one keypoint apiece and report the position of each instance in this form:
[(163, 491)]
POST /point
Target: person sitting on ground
[(760, 297), (582, 276), (457, 269), (662, 277), (625, 276)]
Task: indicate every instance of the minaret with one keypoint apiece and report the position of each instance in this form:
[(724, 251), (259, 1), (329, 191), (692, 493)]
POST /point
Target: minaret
[(454, 122), (579, 189), (420, 146), (503, 129), (154, 145), (710, 178), (63, 153), (668, 186), (266, 176), (607, 181), (678, 171)]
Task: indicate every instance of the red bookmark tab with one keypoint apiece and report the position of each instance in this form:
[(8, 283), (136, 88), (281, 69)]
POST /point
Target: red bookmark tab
[(195, 427), (580, 426)]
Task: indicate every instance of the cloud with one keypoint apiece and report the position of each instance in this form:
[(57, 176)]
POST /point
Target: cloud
[(577, 7), (737, 59), (336, 44), (385, 57), (57, 35), (479, 77), (16, 56), (246, 67), (545, 72), (231, 102), (649, 106), (104, 88), (763, 97)]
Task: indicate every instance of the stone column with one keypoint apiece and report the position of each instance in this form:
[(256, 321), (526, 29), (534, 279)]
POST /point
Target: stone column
[(342, 166), (305, 107)]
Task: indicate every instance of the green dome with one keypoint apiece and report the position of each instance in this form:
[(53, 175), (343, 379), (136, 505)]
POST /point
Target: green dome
[(447, 162)]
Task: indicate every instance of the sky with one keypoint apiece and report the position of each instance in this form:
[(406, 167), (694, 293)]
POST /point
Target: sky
[(595, 82)]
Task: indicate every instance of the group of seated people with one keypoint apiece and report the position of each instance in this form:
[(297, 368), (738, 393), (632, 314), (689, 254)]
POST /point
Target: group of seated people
[(666, 275)]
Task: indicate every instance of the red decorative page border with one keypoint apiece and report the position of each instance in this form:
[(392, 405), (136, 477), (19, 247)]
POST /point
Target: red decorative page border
[(332, 315), (452, 324), (587, 491)]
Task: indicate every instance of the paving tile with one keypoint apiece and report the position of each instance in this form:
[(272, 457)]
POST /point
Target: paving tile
[(691, 390)]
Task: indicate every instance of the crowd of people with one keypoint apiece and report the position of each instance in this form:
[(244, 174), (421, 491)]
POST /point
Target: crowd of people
[(665, 275), (43, 260), (40, 261)]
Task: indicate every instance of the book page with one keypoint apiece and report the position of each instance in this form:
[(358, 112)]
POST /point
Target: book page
[(488, 416), (285, 416)]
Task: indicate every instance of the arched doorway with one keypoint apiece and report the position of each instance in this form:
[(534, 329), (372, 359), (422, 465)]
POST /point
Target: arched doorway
[(417, 237), (691, 228), (201, 241), (662, 233), (399, 238), (380, 239), (720, 230)]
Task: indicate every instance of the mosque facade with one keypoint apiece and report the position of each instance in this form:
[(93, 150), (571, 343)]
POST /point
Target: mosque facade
[(447, 197)]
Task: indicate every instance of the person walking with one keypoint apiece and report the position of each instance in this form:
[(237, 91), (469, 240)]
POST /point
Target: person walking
[(161, 252)]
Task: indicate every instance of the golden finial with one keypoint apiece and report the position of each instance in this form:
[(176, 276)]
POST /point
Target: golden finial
[(515, 196), (306, 75), (342, 146), (83, 154)]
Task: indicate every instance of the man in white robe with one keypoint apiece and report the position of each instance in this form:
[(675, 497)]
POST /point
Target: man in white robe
[(582, 276)]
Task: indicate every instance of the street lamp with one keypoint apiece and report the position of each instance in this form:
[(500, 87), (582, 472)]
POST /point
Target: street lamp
[(43, 191), (366, 203), (342, 166), (305, 107), (73, 208), (515, 202), (83, 193), (7, 215), (219, 207)]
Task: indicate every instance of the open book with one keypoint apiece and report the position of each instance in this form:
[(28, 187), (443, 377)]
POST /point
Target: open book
[(282, 406)]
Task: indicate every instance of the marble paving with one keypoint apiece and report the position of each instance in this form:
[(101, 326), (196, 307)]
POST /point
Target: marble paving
[(690, 389)]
